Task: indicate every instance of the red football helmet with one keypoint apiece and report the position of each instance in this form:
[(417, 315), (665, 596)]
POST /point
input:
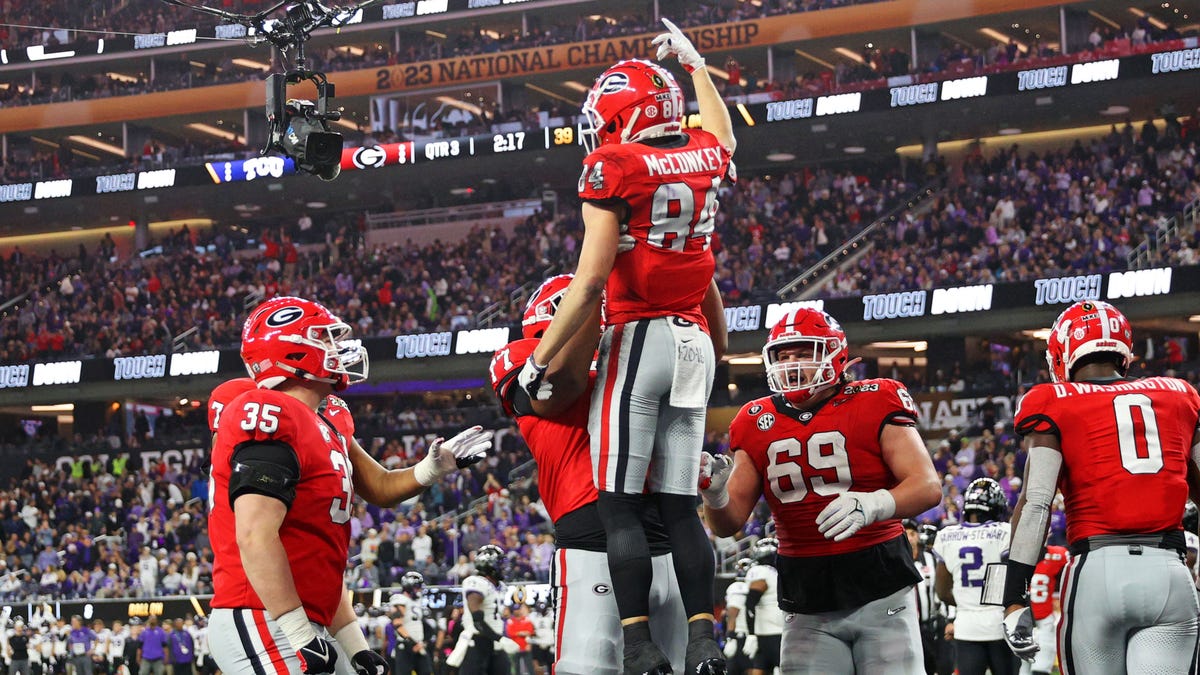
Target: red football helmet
[(1087, 327), (542, 305), (631, 101), (805, 327), (293, 338)]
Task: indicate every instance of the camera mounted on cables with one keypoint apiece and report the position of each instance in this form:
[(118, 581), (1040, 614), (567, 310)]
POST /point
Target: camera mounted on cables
[(297, 128)]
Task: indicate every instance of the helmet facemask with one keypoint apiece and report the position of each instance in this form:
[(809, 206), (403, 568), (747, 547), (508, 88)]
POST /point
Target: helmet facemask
[(805, 377), (345, 359)]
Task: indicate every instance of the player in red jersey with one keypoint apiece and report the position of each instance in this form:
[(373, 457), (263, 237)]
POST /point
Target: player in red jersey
[(840, 463), (1123, 452), (1043, 600), (588, 637), (652, 186), (222, 395)]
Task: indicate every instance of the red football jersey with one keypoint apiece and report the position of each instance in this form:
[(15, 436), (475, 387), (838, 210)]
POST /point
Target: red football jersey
[(1043, 588), (671, 194), (222, 395), (807, 458), (316, 530), (338, 414), (560, 445), (1125, 449)]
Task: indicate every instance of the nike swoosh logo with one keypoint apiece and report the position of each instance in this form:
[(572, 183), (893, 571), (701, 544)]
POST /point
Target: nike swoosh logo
[(896, 610)]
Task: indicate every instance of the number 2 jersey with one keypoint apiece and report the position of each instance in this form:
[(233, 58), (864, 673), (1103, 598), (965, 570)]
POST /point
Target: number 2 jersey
[(967, 550), (805, 459), (315, 532), (670, 191), (1125, 445)]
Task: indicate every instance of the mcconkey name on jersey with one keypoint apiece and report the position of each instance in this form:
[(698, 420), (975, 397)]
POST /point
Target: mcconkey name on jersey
[(670, 192), (1125, 447)]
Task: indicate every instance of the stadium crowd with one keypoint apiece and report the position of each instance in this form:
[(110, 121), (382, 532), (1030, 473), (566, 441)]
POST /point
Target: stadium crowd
[(110, 302), (1022, 215)]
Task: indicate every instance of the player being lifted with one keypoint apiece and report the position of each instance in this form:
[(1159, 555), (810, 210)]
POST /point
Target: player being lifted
[(648, 181), (1124, 454), (588, 638), (839, 463)]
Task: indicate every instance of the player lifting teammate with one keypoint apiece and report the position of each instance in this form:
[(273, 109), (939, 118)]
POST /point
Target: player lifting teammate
[(1124, 453), (588, 629), (839, 463), (652, 186)]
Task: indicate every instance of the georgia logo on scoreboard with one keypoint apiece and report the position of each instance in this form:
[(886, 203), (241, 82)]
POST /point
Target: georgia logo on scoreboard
[(369, 157)]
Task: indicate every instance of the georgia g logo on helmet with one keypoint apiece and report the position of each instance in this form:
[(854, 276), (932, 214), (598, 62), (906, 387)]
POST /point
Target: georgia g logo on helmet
[(284, 316)]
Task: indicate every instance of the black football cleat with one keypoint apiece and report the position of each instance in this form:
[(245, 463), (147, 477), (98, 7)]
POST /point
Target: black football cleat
[(645, 658), (703, 656)]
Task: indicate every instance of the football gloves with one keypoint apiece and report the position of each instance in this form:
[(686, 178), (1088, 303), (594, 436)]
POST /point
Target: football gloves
[(852, 511), (750, 647), (675, 43), (368, 662), (1018, 633), (316, 654), (445, 457), (508, 645), (533, 380), (714, 474), (731, 646)]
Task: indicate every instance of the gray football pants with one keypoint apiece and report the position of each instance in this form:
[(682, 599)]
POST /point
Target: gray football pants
[(882, 636), (1128, 609)]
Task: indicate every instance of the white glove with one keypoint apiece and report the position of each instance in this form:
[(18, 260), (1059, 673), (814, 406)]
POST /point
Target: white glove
[(1018, 633), (675, 43), (730, 649), (750, 648), (533, 380), (625, 243), (446, 457), (852, 511), (508, 645), (714, 474)]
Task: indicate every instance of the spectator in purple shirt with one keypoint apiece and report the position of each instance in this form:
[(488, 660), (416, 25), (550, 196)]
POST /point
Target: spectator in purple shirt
[(183, 650), (154, 646), (80, 641)]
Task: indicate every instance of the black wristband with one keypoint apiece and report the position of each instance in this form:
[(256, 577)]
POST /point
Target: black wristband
[(1016, 583)]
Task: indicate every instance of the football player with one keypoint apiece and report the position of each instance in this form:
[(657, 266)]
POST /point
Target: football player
[(1191, 519), (736, 629), (839, 463), (282, 494), (1043, 600), (1124, 454), (556, 431), (484, 594), (964, 553), (411, 653), (764, 620), (650, 188)]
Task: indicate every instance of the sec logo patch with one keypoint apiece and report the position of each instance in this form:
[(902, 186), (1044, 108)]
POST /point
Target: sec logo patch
[(766, 422)]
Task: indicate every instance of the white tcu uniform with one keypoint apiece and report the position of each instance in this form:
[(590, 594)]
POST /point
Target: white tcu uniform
[(967, 550), (588, 637), (768, 617), (735, 598), (414, 615), (484, 656)]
